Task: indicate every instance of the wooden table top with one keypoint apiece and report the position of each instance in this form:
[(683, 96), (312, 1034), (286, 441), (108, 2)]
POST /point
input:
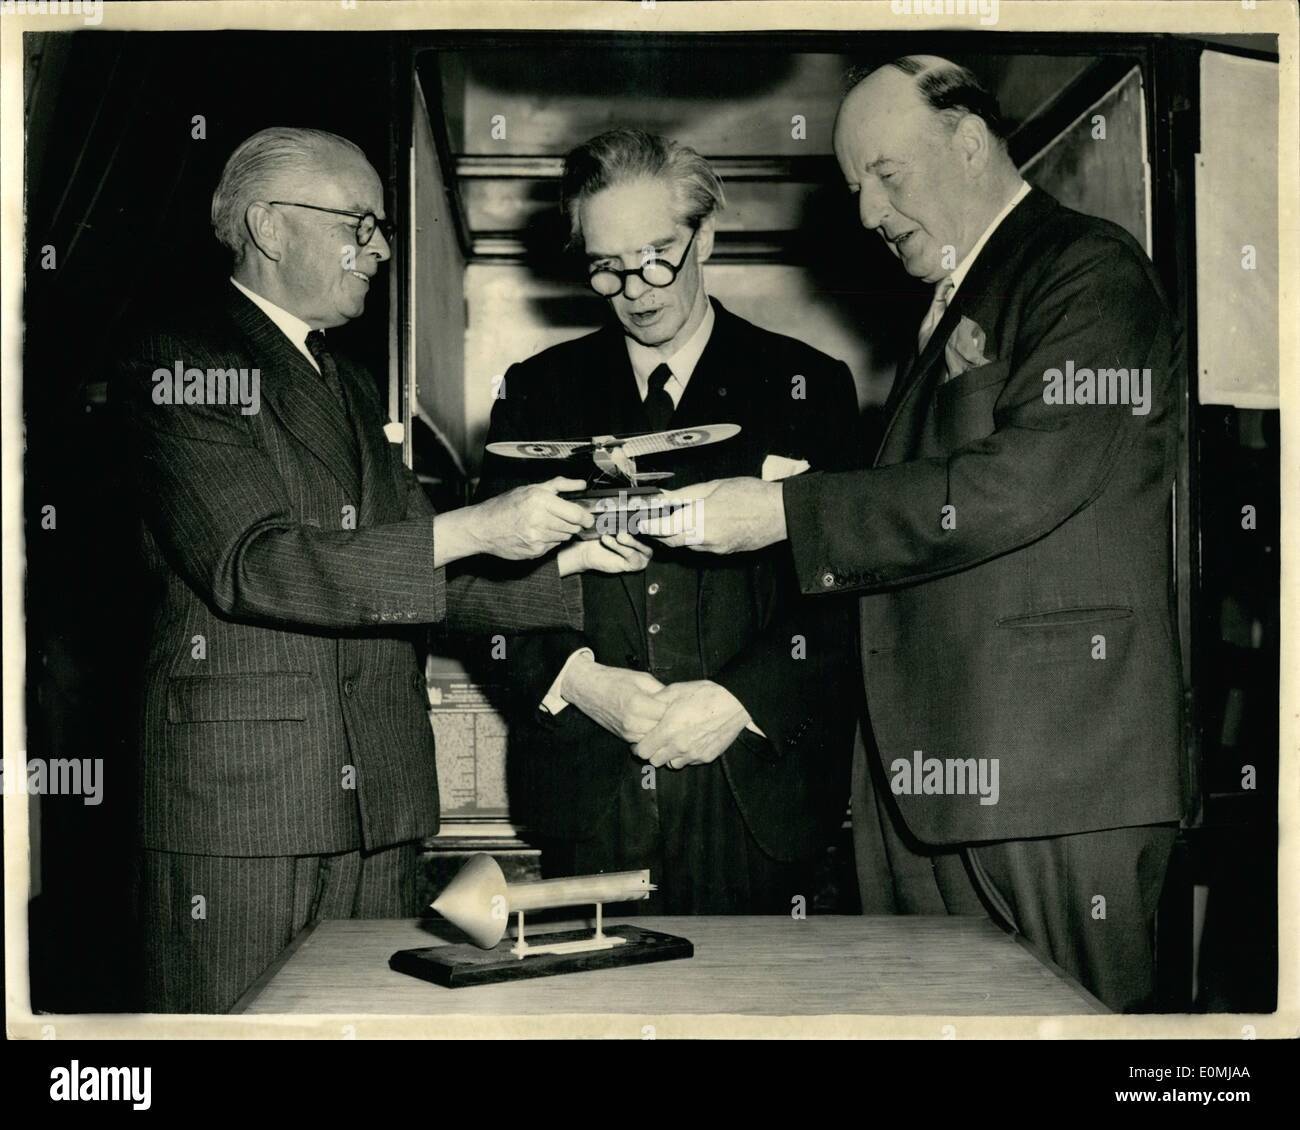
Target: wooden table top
[(759, 966)]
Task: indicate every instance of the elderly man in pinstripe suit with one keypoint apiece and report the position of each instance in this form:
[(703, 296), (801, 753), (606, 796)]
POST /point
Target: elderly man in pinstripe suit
[(287, 761)]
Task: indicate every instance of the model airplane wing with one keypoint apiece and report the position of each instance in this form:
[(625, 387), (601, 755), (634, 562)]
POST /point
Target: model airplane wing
[(647, 443), (655, 442), (541, 449)]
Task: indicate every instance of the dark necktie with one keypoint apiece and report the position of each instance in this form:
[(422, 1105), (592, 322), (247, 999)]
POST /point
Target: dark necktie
[(659, 405), (325, 359)]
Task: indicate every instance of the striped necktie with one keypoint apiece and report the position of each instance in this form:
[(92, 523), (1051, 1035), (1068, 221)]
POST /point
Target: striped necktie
[(325, 359)]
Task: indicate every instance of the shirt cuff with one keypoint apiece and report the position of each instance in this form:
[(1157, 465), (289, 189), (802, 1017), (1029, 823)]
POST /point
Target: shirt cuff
[(749, 722), (554, 702)]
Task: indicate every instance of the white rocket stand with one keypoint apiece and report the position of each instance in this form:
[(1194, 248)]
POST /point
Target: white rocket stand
[(598, 941)]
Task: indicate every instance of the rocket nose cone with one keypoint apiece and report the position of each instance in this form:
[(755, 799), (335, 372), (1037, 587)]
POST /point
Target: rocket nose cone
[(475, 901)]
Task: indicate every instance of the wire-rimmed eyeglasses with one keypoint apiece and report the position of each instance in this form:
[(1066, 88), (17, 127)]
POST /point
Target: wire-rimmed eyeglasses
[(367, 222)]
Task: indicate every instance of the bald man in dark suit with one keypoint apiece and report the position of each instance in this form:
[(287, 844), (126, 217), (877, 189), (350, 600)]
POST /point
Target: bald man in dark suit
[(1010, 546)]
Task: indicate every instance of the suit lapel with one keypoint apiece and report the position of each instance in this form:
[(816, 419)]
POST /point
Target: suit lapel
[(912, 376), (617, 406), (904, 399), (379, 497), (298, 396)]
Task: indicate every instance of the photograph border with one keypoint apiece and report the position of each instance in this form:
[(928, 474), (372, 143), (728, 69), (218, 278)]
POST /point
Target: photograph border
[(1082, 17)]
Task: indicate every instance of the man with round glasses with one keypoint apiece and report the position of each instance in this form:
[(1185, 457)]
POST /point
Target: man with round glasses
[(287, 762), (701, 724)]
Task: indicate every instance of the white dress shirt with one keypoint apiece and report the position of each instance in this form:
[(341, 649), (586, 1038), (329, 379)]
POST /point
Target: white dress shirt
[(292, 326)]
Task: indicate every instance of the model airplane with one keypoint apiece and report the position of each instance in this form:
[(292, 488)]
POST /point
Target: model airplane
[(615, 456)]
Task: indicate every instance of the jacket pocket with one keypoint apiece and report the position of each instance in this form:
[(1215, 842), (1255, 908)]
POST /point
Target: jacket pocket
[(964, 405), (972, 380), (1060, 617), (269, 697)]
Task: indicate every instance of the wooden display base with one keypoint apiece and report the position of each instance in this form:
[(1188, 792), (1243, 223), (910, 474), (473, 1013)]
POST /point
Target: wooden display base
[(456, 967)]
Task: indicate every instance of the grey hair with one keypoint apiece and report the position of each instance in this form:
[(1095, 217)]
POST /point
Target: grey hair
[(951, 91), (256, 166), (623, 155)]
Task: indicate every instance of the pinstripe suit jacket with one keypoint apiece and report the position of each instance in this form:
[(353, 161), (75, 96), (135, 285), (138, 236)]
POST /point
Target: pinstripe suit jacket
[(289, 555)]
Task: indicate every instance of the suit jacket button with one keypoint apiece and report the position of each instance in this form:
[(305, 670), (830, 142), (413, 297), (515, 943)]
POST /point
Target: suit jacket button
[(828, 580), (348, 687)]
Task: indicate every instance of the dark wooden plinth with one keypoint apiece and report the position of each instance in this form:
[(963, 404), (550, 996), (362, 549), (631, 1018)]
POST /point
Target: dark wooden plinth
[(456, 967)]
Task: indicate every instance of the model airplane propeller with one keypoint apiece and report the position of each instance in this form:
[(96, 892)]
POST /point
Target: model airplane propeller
[(615, 456)]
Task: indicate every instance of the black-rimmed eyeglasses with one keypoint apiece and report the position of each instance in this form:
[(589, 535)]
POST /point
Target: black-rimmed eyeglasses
[(609, 281), (367, 222)]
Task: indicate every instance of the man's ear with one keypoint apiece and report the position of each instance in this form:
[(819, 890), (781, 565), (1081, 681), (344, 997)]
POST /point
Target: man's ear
[(975, 142), (264, 230), (704, 240)]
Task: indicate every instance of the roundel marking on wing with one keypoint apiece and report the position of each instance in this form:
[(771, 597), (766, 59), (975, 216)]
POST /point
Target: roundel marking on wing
[(688, 437)]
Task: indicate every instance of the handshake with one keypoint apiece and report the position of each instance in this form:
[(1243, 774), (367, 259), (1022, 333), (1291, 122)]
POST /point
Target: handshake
[(681, 724)]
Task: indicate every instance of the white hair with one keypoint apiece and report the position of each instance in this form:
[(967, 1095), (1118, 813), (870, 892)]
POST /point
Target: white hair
[(257, 166)]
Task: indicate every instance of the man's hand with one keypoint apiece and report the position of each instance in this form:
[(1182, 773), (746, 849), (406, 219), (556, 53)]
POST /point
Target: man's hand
[(723, 516), (620, 553), (525, 522), (621, 700), (701, 720)]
